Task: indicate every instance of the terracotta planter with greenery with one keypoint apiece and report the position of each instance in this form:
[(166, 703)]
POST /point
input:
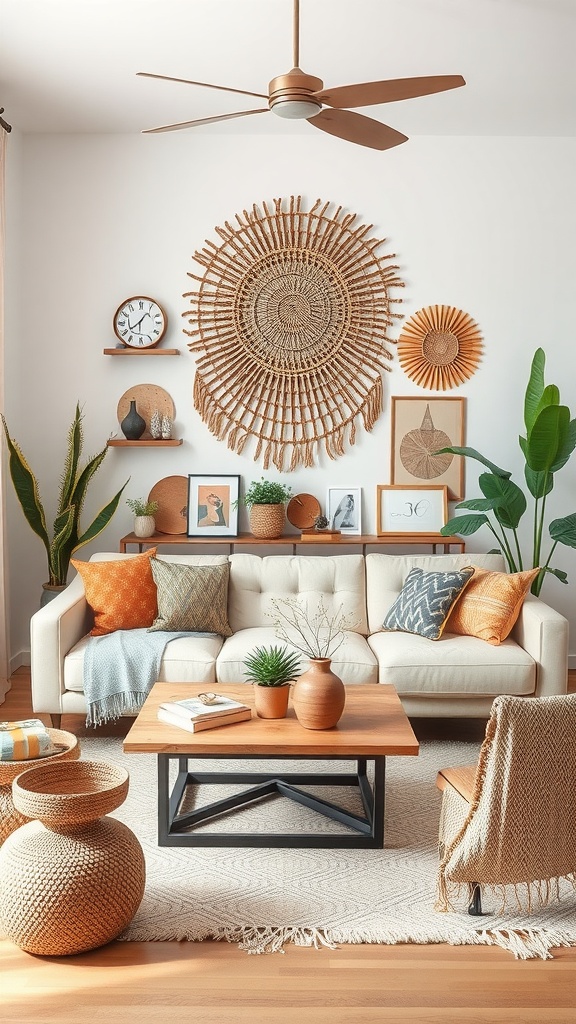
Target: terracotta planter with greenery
[(271, 669), (271, 701)]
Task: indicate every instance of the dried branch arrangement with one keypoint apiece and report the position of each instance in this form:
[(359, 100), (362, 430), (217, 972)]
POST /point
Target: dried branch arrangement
[(290, 324), (440, 347)]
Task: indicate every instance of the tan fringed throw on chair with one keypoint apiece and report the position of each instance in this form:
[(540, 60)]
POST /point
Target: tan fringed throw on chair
[(511, 821)]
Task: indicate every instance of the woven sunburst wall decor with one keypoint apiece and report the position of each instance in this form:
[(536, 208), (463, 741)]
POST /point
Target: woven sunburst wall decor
[(290, 323), (440, 347)]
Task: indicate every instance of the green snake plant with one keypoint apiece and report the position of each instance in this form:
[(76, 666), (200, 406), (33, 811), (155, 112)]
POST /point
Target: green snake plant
[(67, 535), (548, 442)]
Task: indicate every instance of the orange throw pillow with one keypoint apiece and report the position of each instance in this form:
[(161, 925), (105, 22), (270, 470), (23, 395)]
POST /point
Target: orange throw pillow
[(122, 594), (490, 605)]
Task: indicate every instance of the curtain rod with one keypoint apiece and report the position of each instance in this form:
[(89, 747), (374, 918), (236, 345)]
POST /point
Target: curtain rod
[(4, 124)]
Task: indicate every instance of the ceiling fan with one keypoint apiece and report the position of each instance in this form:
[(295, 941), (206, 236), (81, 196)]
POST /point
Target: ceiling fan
[(301, 96)]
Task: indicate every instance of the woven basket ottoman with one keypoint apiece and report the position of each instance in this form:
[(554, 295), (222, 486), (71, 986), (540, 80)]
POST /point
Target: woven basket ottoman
[(73, 879)]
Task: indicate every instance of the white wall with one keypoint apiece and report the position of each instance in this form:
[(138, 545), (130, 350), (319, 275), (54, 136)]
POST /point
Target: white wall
[(483, 224)]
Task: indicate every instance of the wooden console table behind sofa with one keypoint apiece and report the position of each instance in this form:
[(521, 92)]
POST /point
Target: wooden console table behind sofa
[(407, 540)]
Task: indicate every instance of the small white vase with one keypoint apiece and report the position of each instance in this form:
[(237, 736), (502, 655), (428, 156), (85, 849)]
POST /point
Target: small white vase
[(144, 526)]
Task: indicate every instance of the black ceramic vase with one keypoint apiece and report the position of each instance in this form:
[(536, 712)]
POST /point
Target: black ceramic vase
[(133, 426)]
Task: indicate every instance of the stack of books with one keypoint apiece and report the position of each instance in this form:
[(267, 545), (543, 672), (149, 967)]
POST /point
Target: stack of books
[(193, 715)]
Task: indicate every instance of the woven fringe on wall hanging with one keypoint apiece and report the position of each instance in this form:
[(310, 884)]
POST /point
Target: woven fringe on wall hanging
[(290, 324), (440, 347)]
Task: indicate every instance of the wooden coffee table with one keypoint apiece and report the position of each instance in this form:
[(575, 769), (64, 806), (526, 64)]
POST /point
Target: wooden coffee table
[(373, 727)]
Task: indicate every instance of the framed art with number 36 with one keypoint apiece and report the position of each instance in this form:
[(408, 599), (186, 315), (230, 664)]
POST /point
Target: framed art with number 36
[(407, 509)]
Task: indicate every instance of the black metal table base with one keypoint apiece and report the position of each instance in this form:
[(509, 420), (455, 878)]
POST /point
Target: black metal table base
[(177, 828)]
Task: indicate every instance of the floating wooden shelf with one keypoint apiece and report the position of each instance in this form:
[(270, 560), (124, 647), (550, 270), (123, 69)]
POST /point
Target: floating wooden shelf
[(141, 351), (435, 540), (172, 443)]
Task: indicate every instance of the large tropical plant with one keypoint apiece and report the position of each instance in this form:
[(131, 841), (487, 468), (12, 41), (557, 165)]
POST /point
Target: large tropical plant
[(67, 535), (548, 442)]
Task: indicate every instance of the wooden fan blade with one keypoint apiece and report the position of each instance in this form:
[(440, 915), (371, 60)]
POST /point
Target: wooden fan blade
[(367, 93), (207, 85), (352, 127), (203, 120)]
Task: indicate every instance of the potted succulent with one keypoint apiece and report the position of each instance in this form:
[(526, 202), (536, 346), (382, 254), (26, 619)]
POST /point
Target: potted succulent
[(144, 512), (266, 500), (67, 536), (271, 669)]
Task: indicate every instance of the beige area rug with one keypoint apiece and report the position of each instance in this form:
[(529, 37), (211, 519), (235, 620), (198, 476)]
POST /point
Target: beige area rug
[(263, 898)]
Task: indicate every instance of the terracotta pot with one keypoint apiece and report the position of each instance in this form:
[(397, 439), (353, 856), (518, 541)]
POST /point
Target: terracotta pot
[(144, 526), (267, 521), (271, 701), (319, 696)]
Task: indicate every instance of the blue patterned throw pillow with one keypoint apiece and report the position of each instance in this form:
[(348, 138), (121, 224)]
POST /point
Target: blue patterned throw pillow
[(425, 601)]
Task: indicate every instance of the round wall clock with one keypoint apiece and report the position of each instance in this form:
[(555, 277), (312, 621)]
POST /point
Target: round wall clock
[(140, 322)]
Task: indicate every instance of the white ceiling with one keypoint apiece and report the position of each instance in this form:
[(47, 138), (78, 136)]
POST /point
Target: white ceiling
[(70, 65)]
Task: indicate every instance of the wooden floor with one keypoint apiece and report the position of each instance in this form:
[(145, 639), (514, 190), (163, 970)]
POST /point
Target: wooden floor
[(215, 983)]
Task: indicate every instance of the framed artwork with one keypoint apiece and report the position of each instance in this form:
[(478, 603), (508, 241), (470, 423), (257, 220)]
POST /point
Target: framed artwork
[(420, 426), (211, 509), (407, 509), (344, 509)]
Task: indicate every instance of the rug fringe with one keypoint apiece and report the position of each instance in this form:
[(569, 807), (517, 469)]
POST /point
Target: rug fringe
[(523, 943), (272, 940)]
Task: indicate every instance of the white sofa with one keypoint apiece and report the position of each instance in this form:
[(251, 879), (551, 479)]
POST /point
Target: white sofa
[(453, 676)]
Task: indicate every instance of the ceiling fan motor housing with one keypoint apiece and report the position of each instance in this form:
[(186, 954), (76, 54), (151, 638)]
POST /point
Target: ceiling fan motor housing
[(292, 95)]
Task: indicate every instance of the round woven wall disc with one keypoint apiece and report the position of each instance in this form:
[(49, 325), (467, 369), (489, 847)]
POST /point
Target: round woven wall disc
[(171, 493), (289, 325), (440, 347), (302, 511)]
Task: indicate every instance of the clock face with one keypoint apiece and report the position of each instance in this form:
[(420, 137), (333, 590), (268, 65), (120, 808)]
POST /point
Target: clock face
[(140, 322)]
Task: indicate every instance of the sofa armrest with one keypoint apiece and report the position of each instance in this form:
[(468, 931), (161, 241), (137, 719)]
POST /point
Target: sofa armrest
[(54, 630), (543, 633)]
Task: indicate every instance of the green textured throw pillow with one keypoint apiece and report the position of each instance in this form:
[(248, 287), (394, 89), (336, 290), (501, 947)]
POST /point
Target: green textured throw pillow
[(425, 602), (191, 598)]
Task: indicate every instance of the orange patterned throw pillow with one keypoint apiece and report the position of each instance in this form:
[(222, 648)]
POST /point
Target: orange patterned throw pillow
[(490, 604), (122, 594)]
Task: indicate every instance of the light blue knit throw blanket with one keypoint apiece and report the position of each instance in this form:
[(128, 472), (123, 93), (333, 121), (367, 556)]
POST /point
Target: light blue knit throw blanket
[(120, 669)]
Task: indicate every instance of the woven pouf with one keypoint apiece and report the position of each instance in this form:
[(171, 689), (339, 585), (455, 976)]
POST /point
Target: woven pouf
[(74, 879), (10, 818)]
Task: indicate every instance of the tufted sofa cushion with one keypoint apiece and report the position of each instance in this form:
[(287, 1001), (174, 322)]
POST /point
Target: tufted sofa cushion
[(254, 582)]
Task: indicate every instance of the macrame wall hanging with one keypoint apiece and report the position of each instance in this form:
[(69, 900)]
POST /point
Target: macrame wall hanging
[(290, 325), (440, 347)]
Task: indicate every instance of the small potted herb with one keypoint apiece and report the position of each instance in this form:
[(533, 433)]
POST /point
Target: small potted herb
[(144, 512), (266, 500), (271, 669)]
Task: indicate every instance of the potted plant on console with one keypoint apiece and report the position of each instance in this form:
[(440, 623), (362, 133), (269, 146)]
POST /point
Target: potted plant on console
[(67, 535), (266, 500), (271, 670), (144, 512)]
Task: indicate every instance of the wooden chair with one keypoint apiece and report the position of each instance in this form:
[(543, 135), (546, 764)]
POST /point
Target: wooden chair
[(510, 820)]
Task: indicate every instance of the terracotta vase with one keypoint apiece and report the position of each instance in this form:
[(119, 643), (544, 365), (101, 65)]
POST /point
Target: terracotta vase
[(271, 701), (319, 696), (267, 521)]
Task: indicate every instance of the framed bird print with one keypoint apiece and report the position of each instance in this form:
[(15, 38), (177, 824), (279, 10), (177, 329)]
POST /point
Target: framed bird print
[(344, 509), (420, 427)]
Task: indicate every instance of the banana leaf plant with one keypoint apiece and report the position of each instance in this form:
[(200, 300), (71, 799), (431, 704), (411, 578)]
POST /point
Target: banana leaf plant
[(548, 442), (67, 535)]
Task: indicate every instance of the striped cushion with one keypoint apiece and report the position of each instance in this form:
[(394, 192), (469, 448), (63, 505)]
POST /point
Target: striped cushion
[(491, 604), (191, 598), (25, 740), (425, 602)]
